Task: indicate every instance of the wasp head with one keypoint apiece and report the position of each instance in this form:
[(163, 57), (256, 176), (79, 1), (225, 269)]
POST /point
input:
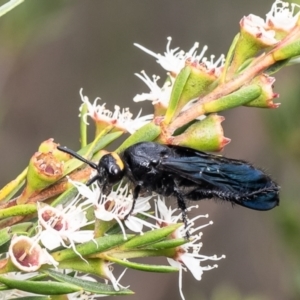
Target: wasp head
[(110, 170)]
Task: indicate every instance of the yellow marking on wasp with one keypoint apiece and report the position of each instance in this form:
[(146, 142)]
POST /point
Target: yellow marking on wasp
[(118, 160)]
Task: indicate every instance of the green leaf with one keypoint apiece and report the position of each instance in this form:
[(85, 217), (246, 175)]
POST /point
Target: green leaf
[(18, 210), (229, 57), (5, 235), (277, 66), (94, 246), (93, 287), (150, 237), (21, 227), (149, 132), (167, 244), (143, 267), (177, 91), (40, 287), (237, 98)]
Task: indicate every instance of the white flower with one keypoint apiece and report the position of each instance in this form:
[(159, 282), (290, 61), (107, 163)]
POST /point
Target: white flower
[(156, 94), (120, 118), (116, 205), (173, 60), (63, 226), (115, 282), (283, 15), (187, 256), (165, 215), (256, 27)]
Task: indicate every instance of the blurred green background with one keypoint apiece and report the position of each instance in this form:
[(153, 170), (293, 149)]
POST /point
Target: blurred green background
[(50, 49)]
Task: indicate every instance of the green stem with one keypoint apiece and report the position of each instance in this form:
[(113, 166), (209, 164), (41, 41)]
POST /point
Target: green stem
[(83, 126)]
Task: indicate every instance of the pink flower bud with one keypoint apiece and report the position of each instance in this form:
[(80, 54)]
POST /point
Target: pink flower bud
[(265, 100)]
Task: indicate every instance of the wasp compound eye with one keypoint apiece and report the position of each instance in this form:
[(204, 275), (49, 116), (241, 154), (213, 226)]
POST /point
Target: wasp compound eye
[(111, 166)]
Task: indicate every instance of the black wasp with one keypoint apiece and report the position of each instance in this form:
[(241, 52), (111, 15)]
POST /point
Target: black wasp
[(186, 174)]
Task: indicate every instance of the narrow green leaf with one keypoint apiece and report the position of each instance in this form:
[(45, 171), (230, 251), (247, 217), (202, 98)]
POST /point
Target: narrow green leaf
[(21, 227), (94, 246), (93, 287), (177, 91), (237, 98), (277, 66), (18, 210), (167, 244), (41, 287), (149, 132), (229, 56), (150, 237), (5, 235), (143, 267)]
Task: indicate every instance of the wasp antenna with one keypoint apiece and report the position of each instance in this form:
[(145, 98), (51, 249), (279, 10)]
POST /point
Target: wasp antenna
[(76, 155)]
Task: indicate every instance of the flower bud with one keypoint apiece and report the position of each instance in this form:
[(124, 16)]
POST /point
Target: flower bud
[(204, 135), (265, 100), (43, 170), (192, 80), (253, 38)]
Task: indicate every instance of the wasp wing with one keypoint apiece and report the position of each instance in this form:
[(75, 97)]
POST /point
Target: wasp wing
[(228, 179), (200, 167)]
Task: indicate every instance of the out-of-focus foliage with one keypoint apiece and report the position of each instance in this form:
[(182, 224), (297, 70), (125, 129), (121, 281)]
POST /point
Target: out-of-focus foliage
[(22, 23)]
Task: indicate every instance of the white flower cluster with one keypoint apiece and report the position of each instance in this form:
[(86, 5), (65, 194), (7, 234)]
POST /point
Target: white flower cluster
[(63, 227), (116, 206), (173, 61)]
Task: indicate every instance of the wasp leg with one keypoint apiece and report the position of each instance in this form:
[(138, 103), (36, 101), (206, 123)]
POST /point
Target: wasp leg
[(181, 204), (92, 180), (136, 192)]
